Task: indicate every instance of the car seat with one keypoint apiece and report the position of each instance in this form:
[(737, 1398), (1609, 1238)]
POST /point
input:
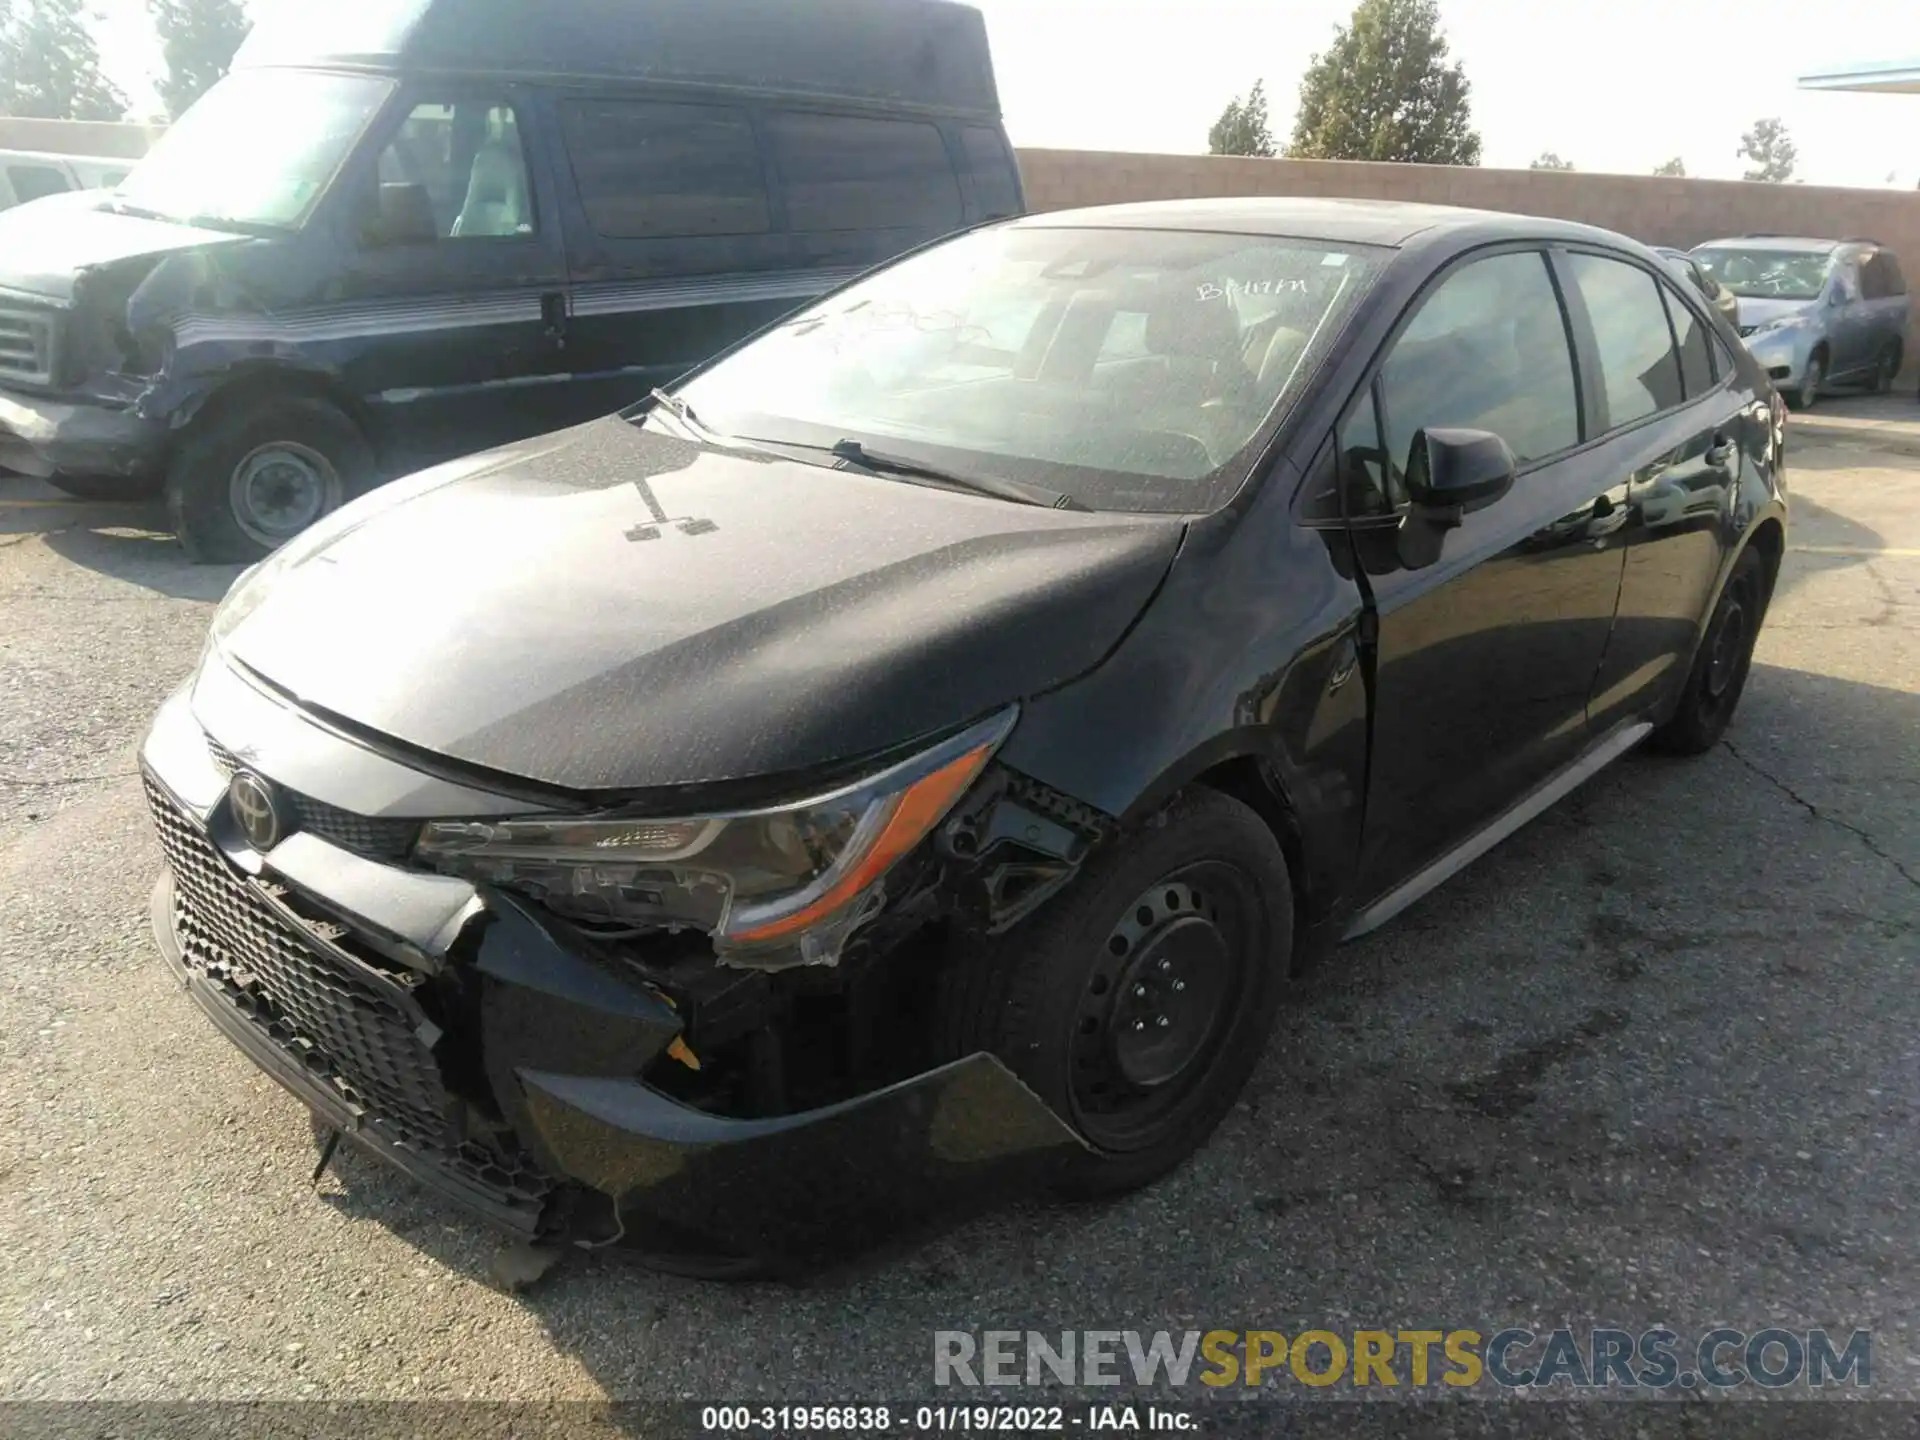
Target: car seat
[(496, 193)]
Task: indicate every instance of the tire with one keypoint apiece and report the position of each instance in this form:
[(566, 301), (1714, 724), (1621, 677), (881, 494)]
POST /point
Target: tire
[(1811, 383), (1189, 921), (1719, 674), (104, 489), (256, 474), (1886, 370)]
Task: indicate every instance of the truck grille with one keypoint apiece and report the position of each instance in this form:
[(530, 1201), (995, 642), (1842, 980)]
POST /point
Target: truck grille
[(26, 346), (349, 1025), (368, 835)]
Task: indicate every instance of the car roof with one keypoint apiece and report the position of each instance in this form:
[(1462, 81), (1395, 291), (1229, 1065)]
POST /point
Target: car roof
[(1392, 223), (1773, 242)]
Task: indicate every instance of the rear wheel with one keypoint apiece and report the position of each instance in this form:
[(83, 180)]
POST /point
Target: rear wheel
[(258, 474), (1887, 370), (1719, 673), (1138, 1004)]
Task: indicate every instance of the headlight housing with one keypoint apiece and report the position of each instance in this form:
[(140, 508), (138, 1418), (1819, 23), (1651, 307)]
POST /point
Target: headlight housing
[(786, 885)]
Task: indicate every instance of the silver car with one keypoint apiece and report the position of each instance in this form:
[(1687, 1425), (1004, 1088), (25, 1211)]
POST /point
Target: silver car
[(1815, 312)]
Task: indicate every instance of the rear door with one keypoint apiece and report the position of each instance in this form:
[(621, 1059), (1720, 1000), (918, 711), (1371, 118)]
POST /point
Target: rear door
[(1484, 660), (1679, 425), (675, 240), (449, 312), (1850, 321)]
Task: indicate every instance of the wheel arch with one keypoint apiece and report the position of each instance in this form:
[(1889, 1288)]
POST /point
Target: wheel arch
[(253, 384), (1243, 771)]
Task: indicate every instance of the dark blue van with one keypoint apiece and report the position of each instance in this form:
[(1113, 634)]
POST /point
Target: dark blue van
[(405, 230)]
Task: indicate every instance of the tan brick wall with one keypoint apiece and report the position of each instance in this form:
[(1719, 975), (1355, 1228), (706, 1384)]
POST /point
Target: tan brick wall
[(77, 137), (1651, 208)]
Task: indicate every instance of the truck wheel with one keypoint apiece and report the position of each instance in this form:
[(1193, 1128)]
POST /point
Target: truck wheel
[(1137, 1004), (256, 475), (116, 489), (1720, 669)]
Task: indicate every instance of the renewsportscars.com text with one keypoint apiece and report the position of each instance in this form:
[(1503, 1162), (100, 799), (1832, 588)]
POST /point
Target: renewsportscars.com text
[(1511, 1358)]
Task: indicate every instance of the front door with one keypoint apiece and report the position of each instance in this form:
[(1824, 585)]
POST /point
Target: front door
[(1484, 659), (452, 317)]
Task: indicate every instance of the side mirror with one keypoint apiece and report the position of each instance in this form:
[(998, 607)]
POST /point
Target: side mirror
[(1450, 475), (404, 217)]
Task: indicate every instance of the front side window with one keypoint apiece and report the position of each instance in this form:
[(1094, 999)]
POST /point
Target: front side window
[(256, 151), (845, 172), (1638, 368), (1488, 350), (462, 163), (1129, 369), (1756, 273), (649, 171)]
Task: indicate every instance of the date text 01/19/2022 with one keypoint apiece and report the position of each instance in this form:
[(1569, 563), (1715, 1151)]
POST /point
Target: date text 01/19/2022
[(939, 1419)]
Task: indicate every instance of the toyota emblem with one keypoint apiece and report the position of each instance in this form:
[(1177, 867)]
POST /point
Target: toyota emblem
[(256, 809)]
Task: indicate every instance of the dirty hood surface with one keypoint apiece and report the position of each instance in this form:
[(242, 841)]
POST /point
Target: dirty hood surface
[(614, 609), (45, 246)]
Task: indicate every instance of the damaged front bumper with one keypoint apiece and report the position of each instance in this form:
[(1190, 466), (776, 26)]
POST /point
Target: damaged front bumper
[(447, 1029), (44, 436)]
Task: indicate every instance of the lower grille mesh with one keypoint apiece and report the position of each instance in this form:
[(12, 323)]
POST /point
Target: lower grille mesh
[(351, 1027)]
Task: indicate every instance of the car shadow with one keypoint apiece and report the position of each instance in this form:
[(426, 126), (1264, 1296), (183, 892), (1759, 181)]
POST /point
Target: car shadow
[(1476, 1111), (128, 541)]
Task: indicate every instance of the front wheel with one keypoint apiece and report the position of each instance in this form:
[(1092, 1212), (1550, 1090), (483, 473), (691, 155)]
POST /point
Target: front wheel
[(1719, 674), (1138, 1004), (1810, 384), (257, 475)]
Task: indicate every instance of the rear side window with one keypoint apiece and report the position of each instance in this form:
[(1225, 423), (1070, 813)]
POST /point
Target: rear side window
[(34, 182), (1488, 350), (993, 172), (844, 172), (1639, 370), (1696, 364), (649, 171)]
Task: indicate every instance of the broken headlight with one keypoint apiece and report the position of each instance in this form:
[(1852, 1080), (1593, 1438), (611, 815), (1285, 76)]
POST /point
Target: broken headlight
[(785, 884)]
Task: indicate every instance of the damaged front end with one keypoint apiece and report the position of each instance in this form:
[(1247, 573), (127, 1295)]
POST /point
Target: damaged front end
[(712, 1038)]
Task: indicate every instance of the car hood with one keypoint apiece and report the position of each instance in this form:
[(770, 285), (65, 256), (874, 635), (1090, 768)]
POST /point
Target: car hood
[(45, 246), (1761, 312), (614, 610)]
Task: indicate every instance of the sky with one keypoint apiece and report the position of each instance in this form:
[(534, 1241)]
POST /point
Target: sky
[(1621, 87)]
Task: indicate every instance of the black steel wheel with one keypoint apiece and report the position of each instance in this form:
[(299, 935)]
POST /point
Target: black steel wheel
[(1719, 674), (1137, 1003)]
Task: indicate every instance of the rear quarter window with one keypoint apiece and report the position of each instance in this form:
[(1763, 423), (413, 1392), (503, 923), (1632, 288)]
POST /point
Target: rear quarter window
[(995, 182), (847, 172)]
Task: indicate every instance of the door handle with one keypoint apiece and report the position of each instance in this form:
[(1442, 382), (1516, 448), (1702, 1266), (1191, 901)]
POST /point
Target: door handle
[(1719, 454)]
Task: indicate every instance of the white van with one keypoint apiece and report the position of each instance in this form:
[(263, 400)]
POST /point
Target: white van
[(31, 175)]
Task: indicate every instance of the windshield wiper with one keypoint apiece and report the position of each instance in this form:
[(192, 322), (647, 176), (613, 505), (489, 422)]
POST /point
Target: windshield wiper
[(1018, 491)]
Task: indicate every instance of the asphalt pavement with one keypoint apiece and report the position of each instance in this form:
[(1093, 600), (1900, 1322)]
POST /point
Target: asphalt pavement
[(1654, 1060)]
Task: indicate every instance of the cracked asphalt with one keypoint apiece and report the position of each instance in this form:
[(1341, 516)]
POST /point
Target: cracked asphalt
[(1654, 1060)]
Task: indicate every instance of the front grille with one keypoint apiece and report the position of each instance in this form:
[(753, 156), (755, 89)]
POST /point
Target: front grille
[(372, 836), (351, 1026), (26, 346)]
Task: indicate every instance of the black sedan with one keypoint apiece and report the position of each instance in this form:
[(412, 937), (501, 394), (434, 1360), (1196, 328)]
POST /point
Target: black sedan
[(912, 754)]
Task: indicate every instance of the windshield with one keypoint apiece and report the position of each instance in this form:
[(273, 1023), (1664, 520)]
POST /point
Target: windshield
[(256, 150), (1127, 369), (1768, 274)]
